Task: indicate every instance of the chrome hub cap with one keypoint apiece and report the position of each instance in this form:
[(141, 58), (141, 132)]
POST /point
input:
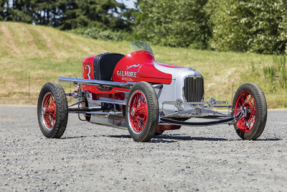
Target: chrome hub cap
[(132, 112)]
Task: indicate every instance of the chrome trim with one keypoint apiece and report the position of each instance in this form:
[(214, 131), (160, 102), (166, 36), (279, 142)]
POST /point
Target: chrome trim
[(109, 120), (218, 106), (191, 69), (157, 86), (215, 116), (121, 91), (85, 109), (196, 112), (78, 102), (212, 102), (111, 101), (179, 104), (208, 123), (98, 113), (96, 82), (194, 109)]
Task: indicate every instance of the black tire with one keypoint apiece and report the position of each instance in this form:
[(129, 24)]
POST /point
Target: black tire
[(142, 115), (251, 126), (52, 124), (158, 133)]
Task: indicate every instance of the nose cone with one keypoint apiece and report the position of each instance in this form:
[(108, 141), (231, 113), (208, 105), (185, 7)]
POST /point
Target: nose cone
[(176, 71)]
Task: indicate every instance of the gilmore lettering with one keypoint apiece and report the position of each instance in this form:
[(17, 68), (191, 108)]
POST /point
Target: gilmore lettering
[(126, 74)]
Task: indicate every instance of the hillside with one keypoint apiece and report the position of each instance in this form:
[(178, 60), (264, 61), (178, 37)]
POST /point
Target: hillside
[(50, 53)]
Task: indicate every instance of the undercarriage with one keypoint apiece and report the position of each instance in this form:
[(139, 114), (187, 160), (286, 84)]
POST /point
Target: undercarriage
[(114, 115)]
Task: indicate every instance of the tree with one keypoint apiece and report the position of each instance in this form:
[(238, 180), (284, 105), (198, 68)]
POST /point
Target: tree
[(66, 14), (93, 13), (176, 23), (3, 4), (15, 10), (255, 26)]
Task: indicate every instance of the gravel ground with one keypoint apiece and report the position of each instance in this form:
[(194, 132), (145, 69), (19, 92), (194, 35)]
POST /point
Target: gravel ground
[(96, 158)]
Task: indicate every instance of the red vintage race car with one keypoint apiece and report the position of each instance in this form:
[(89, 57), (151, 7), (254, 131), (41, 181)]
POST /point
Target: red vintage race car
[(146, 97)]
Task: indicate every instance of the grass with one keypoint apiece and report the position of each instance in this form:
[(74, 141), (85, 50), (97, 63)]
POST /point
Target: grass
[(50, 53)]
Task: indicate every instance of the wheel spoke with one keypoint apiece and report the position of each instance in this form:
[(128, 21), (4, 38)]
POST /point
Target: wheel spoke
[(246, 100), (138, 111), (49, 108)]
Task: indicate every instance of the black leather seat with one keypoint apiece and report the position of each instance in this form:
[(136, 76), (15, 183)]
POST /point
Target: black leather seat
[(105, 64)]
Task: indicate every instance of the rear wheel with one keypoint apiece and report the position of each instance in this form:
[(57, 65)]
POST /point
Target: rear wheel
[(52, 110), (142, 112), (251, 99)]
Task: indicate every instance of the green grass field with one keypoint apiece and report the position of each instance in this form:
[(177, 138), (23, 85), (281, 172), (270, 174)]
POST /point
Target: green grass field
[(50, 53)]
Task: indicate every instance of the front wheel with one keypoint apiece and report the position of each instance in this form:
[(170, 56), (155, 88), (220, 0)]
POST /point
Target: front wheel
[(142, 112), (52, 110), (250, 98)]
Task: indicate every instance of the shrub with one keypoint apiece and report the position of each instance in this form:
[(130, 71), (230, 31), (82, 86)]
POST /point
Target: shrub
[(243, 25), (175, 23), (107, 35)]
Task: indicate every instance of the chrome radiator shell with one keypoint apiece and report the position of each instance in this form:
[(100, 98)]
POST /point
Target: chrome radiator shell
[(193, 89)]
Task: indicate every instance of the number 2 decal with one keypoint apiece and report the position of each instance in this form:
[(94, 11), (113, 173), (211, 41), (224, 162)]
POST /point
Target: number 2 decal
[(89, 72)]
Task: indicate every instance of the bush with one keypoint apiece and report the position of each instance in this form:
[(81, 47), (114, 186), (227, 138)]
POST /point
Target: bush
[(243, 25), (180, 23), (107, 35)]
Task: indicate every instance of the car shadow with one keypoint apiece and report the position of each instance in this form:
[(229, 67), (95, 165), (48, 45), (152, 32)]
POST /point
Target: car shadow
[(173, 138), (153, 140), (269, 139), (188, 138)]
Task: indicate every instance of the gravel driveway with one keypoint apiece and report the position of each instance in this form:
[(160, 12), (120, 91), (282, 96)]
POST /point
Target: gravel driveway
[(96, 158)]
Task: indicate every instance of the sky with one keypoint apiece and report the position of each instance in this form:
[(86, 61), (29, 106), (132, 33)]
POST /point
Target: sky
[(128, 3)]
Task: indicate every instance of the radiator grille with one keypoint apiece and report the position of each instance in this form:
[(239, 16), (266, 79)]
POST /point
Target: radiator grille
[(193, 89)]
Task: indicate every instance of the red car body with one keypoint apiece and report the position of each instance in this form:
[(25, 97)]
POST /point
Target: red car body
[(144, 72)]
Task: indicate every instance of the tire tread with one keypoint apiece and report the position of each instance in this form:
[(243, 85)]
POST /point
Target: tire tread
[(62, 110), (261, 111), (152, 121)]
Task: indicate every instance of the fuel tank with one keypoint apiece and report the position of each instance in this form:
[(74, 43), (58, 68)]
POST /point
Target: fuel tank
[(139, 66)]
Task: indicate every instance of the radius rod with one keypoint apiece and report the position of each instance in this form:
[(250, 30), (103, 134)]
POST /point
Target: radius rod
[(209, 123)]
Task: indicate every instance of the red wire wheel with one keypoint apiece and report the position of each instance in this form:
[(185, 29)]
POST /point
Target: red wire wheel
[(142, 112), (251, 99), (49, 110), (138, 111), (246, 100), (52, 110)]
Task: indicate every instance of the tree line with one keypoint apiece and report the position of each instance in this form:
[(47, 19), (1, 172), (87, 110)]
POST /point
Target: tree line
[(258, 26), (67, 14)]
